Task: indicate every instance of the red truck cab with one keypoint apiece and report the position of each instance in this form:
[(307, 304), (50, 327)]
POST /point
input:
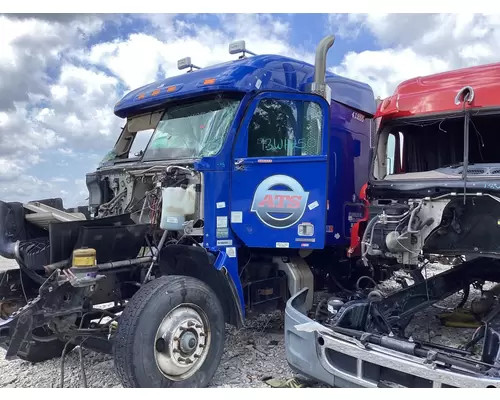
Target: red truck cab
[(419, 148), (433, 190)]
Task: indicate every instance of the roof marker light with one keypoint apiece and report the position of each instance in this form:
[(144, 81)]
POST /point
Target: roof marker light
[(155, 92), (210, 81), (239, 47), (171, 89), (184, 63), (141, 96)]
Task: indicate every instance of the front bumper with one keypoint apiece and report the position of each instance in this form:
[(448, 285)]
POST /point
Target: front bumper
[(338, 360)]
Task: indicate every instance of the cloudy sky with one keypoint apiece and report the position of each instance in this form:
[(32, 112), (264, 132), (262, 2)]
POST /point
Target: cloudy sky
[(61, 74)]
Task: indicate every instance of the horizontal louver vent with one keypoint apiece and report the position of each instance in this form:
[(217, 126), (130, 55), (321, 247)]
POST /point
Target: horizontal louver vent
[(473, 171), (476, 171)]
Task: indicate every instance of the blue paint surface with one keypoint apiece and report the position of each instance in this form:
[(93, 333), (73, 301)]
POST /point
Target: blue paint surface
[(309, 171), (348, 173), (328, 182), (231, 265), (262, 72)]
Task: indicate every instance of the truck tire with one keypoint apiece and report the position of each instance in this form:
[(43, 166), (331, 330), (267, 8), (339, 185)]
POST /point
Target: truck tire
[(171, 334)]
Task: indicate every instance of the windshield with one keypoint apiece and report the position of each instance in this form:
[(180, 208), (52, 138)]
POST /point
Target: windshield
[(435, 148), (192, 130)]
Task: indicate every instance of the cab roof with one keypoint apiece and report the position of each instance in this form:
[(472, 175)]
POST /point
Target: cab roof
[(262, 72), (435, 94)]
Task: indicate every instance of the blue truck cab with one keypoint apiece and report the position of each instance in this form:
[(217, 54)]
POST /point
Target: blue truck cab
[(245, 194)]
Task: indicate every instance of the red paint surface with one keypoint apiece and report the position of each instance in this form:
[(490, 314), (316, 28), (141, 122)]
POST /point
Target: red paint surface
[(435, 94), (359, 227)]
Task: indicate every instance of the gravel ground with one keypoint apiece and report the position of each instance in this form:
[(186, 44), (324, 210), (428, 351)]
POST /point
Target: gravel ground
[(251, 354)]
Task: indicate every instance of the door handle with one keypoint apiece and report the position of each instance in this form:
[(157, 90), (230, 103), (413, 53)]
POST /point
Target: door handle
[(239, 165)]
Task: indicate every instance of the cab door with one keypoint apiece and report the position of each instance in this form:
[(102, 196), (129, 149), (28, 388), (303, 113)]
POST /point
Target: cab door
[(279, 172)]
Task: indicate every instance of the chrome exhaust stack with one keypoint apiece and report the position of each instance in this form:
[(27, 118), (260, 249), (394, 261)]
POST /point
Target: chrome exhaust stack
[(319, 85)]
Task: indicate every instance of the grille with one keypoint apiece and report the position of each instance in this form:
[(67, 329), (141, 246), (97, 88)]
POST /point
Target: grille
[(476, 171), (473, 171)]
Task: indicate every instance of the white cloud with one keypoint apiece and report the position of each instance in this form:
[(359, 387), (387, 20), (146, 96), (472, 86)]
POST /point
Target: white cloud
[(135, 61), (59, 89), (416, 44), (58, 93), (31, 52), (139, 59), (383, 70), (81, 107), (66, 152), (9, 171), (27, 187), (58, 179)]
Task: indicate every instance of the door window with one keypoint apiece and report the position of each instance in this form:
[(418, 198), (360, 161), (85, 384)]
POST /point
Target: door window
[(282, 128)]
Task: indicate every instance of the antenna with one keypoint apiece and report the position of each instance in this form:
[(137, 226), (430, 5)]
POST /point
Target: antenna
[(184, 63), (239, 47)]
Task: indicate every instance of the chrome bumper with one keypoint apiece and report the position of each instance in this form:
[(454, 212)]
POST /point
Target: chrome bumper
[(338, 360)]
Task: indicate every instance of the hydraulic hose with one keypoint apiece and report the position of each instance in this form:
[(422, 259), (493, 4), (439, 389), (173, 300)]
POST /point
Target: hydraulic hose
[(369, 227)]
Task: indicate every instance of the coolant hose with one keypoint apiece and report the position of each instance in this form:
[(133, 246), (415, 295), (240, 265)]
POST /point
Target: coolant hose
[(412, 216), (31, 274), (368, 228)]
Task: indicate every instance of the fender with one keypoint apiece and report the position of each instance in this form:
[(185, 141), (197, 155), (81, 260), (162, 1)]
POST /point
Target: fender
[(198, 263)]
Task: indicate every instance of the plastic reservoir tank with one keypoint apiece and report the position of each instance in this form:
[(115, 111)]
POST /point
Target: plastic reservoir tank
[(177, 203)]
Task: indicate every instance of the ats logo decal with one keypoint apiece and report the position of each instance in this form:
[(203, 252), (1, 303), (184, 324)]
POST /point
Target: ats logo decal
[(279, 208)]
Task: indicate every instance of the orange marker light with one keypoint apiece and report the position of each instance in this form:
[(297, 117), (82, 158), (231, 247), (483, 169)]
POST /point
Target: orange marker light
[(210, 81), (141, 96), (155, 92)]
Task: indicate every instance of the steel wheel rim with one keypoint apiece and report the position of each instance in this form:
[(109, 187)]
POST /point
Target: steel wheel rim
[(182, 342)]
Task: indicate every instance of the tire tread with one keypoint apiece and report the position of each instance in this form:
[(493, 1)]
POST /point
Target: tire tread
[(129, 321)]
